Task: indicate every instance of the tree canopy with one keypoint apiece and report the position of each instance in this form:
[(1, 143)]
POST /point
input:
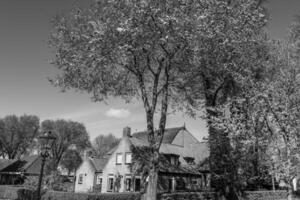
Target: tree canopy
[(70, 135), (71, 160), (166, 53), (17, 134), (103, 143)]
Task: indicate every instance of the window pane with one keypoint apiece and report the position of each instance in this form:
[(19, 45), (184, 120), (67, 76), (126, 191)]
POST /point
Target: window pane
[(110, 184), (128, 158), (137, 185), (119, 159), (128, 184), (80, 178)]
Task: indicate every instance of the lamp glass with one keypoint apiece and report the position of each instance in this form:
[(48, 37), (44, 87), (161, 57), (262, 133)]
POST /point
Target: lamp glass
[(47, 141)]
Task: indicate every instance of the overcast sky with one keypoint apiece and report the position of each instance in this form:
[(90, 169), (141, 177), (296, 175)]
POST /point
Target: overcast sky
[(24, 68)]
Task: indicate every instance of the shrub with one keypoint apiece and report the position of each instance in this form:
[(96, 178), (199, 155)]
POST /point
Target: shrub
[(26, 194), (54, 195), (115, 196), (266, 195)]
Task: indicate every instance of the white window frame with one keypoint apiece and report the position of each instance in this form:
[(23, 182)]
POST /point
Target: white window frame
[(109, 189), (119, 160), (128, 154), (80, 178)]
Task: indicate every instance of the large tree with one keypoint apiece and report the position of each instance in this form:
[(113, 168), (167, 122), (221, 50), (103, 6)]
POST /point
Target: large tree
[(230, 52), (17, 134), (103, 143), (131, 49), (69, 135), (152, 50)]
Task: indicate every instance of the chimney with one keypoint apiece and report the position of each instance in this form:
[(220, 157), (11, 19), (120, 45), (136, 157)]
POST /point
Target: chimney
[(126, 131)]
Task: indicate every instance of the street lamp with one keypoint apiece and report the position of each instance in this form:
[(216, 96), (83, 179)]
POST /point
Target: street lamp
[(46, 141)]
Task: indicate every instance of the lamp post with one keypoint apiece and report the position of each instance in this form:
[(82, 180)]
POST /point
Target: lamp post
[(46, 141)]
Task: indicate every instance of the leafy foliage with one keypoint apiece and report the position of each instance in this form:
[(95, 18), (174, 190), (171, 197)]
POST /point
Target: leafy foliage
[(103, 143), (71, 160), (69, 134), (17, 134), (168, 53), (264, 119)]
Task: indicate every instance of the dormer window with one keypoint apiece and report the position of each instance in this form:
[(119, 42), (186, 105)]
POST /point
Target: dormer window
[(172, 158), (189, 160)]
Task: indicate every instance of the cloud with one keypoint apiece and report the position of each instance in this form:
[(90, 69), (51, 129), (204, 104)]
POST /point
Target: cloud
[(117, 113)]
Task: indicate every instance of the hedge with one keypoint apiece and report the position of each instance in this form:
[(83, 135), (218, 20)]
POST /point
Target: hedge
[(14, 193), (266, 195), (86, 196), (255, 195), (188, 196)]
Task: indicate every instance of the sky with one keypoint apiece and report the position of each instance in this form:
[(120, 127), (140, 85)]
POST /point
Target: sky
[(24, 70)]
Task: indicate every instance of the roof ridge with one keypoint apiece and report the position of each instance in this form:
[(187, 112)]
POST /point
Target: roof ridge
[(166, 129), (37, 157)]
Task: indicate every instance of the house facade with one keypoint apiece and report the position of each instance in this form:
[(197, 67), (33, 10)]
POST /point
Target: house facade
[(87, 175), (179, 147)]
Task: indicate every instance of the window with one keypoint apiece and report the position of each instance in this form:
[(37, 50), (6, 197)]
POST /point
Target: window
[(189, 160), (128, 184), (137, 185), (194, 181), (119, 159), (110, 186), (80, 179), (127, 158), (99, 181)]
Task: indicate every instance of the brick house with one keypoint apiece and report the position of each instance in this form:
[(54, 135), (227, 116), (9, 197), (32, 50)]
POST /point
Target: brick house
[(113, 174)]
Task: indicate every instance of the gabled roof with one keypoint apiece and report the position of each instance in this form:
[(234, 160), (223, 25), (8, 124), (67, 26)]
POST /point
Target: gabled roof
[(169, 135), (111, 151), (29, 161), (99, 163), (4, 163), (200, 150), (24, 164)]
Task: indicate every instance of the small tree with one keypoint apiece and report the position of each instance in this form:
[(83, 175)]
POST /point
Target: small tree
[(69, 134)]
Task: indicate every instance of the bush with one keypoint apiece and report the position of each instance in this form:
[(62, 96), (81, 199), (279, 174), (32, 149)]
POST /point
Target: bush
[(54, 195), (266, 195), (115, 196), (26, 194), (255, 195), (188, 196)]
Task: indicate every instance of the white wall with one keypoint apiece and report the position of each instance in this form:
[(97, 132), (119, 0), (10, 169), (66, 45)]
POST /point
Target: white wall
[(88, 171), (112, 168)]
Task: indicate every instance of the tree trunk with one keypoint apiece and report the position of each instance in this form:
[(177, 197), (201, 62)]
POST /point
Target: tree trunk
[(151, 193)]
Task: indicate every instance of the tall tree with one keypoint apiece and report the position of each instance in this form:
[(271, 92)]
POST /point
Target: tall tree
[(152, 50), (131, 49), (230, 51), (282, 101), (69, 134), (103, 143), (17, 134)]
